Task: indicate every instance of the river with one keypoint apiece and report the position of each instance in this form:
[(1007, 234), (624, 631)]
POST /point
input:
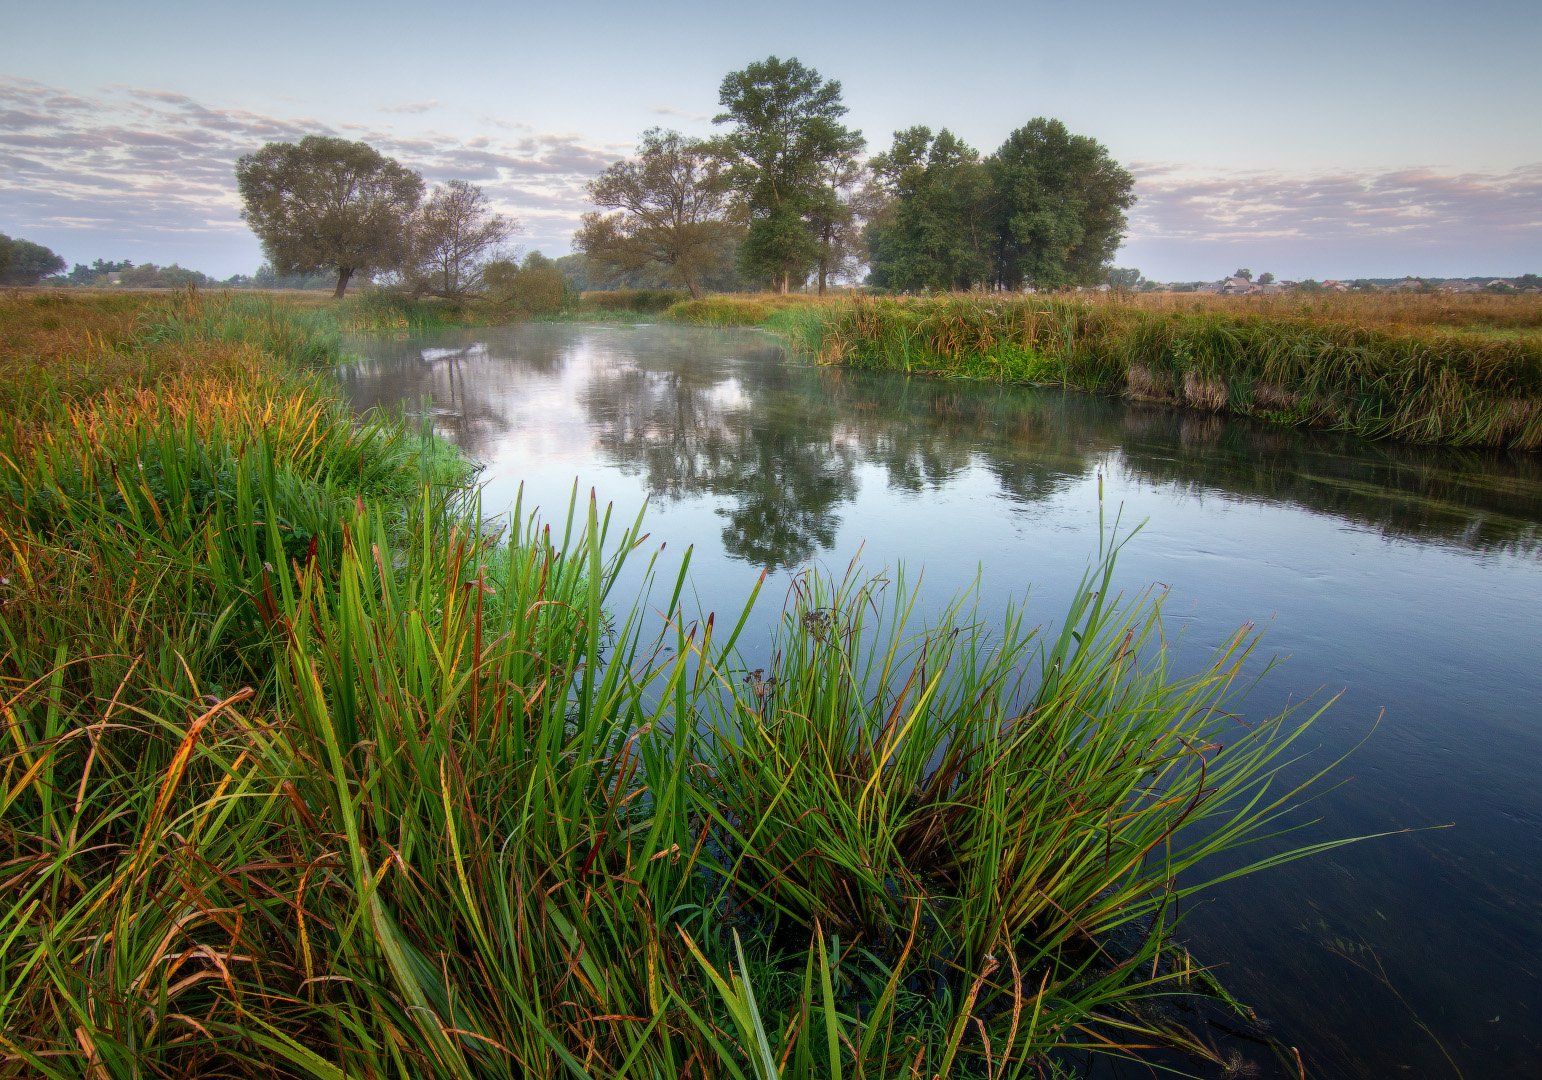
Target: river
[(1409, 579)]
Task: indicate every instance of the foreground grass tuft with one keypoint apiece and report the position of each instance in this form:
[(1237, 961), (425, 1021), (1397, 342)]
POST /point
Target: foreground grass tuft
[(312, 769)]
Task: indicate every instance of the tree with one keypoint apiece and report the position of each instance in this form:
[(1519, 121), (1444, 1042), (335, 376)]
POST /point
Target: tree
[(785, 149), (268, 278), (1245, 274), (834, 216), (24, 263), (1059, 203), (1127, 278), (150, 276), (672, 208), (929, 230), (81, 274), (454, 235), (1266, 278), (328, 204)]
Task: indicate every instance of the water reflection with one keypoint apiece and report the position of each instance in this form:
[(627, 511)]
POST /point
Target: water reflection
[(774, 459), (700, 413)]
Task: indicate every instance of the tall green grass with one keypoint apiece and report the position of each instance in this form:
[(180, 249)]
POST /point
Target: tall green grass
[(312, 768), (1419, 383)]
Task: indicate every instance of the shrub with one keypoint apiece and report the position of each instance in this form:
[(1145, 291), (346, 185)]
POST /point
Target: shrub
[(641, 301), (536, 288)]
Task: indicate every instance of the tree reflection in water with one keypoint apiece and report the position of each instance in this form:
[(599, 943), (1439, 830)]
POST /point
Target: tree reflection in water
[(781, 447)]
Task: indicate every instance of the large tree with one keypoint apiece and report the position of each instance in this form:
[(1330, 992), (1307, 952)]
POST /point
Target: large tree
[(931, 227), (454, 235), (328, 204), (671, 208), (1059, 203), (835, 213), (24, 263), (785, 148)]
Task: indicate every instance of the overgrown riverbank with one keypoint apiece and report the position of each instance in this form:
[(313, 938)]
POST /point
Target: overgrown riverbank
[(1431, 373), (308, 772)]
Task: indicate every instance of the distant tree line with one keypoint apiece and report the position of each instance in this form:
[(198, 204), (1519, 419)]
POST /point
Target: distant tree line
[(784, 197), (26, 263)]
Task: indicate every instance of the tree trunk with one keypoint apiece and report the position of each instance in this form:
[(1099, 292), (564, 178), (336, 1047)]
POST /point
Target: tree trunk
[(343, 274), (693, 288), (785, 283)]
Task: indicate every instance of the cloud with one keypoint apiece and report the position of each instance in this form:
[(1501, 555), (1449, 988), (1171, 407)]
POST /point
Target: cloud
[(682, 114), (1434, 221), (411, 107), (147, 169), (149, 173)]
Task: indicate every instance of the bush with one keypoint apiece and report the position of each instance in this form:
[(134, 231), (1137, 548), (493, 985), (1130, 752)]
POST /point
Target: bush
[(535, 288), (640, 301)]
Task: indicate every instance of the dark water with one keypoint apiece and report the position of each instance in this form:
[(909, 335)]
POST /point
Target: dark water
[(1409, 579)]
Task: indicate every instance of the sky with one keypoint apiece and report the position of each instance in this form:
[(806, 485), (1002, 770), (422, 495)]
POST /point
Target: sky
[(1347, 139)]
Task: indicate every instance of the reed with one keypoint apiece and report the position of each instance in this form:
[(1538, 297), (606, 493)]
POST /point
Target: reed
[(1306, 365), (742, 309), (312, 768)]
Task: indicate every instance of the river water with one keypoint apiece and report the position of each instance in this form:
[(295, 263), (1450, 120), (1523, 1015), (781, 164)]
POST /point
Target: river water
[(1407, 579)]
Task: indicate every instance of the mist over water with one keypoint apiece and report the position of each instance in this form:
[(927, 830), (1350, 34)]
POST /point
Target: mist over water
[(1367, 566)]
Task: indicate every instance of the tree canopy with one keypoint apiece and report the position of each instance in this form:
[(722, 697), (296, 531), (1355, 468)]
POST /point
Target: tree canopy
[(786, 149), (671, 207), (1126, 277), (1058, 207), (454, 235), (24, 263), (327, 203), (930, 229)]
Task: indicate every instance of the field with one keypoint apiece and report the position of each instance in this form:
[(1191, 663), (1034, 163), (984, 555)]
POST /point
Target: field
[(310, 769), (1462, 370)]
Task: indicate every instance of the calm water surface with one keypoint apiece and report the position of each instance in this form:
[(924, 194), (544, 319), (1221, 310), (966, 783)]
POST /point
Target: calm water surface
[(1408, 579)]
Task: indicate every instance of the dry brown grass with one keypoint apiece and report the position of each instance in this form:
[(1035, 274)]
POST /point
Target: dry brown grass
[(42, 328), (1380, 311)]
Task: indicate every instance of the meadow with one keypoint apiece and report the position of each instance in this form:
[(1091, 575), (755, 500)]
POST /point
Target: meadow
[(311, 767), (1461, 370)]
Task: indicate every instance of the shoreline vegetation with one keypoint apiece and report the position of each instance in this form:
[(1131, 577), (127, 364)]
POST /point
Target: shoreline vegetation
[(313, 768), (1455, 371), (1460, 371)]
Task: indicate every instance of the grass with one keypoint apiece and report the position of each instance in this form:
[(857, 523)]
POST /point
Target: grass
[(380, 310), (1462, 371), (1390, 311), (310, 768), (740, 310), (639, 301)]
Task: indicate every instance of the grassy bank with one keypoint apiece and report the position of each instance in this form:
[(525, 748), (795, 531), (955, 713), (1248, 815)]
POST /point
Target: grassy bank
[(307, 770), (1459, 371)]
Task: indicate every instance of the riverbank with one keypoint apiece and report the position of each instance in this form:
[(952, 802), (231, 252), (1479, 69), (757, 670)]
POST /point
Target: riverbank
[(306, 770), (1459, 371)]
